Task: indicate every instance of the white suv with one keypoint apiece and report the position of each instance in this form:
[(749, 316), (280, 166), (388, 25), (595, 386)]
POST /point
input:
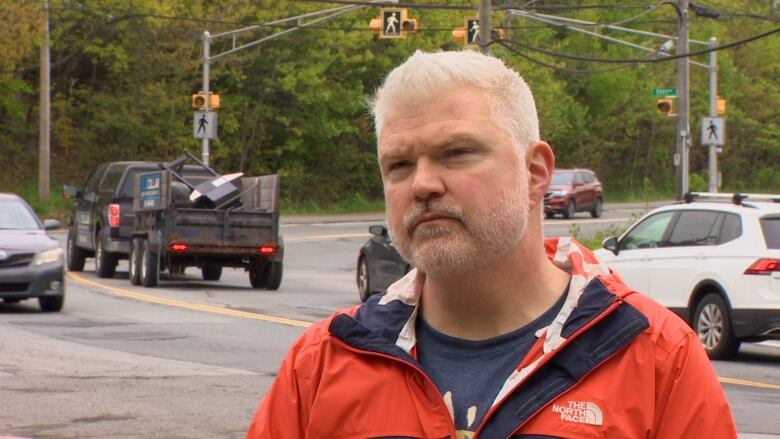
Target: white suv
[(714, 263)]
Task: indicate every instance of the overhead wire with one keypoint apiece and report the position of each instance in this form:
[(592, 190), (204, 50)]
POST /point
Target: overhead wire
[(553, 66)]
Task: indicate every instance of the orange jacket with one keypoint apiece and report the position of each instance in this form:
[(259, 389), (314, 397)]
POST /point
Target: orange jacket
[(613, 364)]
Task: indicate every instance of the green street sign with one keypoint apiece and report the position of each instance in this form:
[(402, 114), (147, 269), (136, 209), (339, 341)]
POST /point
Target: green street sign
[(665, 91)]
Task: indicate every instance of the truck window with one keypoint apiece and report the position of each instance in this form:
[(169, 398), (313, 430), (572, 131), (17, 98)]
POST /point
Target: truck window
[(111, 180)]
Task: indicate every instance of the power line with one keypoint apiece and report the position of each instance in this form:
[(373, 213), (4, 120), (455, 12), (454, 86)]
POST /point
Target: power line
[(553, 66), (643, 60), (473, 8)]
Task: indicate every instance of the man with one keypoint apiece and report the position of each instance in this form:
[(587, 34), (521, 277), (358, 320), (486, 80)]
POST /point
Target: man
[(497, 332)]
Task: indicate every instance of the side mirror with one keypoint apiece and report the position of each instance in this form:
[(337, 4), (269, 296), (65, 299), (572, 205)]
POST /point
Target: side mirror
[(377, 230), (69, 192), (51, 224), (611, 244)]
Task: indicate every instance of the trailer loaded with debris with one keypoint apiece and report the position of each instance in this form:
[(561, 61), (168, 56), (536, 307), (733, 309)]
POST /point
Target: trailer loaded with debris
[(224, 221)]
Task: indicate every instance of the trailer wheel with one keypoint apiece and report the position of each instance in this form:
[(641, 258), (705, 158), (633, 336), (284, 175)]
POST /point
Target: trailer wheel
[(273, 275), (257, 278), (150, 265), (134, 262), (211, 272)]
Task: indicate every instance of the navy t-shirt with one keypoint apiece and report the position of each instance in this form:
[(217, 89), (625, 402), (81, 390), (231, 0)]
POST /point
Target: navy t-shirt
[(469, 374)]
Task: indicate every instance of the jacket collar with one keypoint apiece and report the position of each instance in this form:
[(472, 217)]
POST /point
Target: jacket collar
[(392, 316)]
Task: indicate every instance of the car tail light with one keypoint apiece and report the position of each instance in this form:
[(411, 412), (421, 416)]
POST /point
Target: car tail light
[(764, 266), (179, 247), (267, 250), (113, 215)]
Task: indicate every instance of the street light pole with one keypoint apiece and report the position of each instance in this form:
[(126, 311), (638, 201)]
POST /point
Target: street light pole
[(44, 128), (484, 26), (683, 126), (206, 74), (713, 149)]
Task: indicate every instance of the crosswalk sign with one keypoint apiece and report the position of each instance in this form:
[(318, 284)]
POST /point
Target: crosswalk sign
[(392, 19), (472, 31)]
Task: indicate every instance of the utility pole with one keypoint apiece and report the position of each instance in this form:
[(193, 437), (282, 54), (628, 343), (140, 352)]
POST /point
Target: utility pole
[(713, 149), (44, 110), (683, 127), (484, 26)]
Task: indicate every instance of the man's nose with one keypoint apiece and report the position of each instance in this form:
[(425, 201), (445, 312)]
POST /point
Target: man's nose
[(428, 180)]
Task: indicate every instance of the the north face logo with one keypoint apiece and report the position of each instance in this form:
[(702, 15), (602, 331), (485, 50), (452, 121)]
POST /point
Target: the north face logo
[(579, 412)]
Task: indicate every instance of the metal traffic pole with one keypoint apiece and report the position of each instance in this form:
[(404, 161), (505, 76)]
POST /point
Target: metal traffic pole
[(683, 77), (206, 67), (484, 26), (713, 149)]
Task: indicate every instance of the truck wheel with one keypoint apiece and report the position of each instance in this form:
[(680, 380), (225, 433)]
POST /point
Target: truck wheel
[(273, 275), (211, 272), (134, 261), (149, 266), (712, 324), (105, 262), (76, 255), (257, 278)]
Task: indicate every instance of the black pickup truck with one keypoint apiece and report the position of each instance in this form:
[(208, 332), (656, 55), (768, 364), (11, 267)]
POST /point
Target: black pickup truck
[(107, 219)]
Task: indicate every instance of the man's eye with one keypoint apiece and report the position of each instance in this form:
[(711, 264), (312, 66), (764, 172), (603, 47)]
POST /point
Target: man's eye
[(398, 165), (456, 152)]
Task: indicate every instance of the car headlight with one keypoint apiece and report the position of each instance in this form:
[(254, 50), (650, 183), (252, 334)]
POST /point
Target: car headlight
[(49, 256), (558, 194)]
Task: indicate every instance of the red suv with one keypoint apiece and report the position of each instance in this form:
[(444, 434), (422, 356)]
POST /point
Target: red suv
[(573, 190)]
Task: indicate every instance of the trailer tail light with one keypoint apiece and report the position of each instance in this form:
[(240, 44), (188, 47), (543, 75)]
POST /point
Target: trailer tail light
[(179, 247), (764, 266), (267, 250), (113, 215)]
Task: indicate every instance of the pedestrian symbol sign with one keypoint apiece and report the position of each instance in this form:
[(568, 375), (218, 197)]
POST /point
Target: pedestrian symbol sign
[(391, 23), (713, 131), (204, 125), (472, 31)]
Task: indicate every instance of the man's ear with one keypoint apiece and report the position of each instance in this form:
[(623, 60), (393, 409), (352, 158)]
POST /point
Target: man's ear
[(540, 161)]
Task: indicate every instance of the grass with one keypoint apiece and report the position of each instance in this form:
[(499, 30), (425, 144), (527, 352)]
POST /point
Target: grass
[(354, 203), (57, 207)]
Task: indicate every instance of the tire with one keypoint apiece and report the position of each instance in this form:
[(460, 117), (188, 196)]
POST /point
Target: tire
[(712, 324), (273, 275), (211, 272), (149, 266), (257, 279), (134, 262), (105, 262), (76, 256), (596, 212), (362, 278), (570, 210), (51, 303), (549, 215)]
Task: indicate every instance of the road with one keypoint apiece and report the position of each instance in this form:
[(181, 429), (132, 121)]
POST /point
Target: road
[(193, 358)]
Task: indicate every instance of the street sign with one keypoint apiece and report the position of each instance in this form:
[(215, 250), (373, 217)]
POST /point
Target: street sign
[(665, 91), (472, 31), (391, 23), (204, 124), (713, 131)]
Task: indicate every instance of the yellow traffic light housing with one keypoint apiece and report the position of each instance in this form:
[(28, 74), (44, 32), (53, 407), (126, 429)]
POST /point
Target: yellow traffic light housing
[(200, 99), (720, 106), (665, 106)]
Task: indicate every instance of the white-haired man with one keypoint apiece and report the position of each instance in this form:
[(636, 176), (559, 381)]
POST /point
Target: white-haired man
[(497, 332)]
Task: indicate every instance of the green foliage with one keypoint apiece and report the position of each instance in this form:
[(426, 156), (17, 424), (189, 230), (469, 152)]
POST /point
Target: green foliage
[(122, 74)]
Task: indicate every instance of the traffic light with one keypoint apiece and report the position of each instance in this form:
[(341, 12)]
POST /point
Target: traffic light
[(393, 23), (469, 33), (200, 99), (720, 106), (665, 106), (472, 31)]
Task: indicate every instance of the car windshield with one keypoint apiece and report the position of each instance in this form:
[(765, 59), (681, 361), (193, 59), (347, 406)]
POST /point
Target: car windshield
[(771, 228), (16, 216), (562, 177)]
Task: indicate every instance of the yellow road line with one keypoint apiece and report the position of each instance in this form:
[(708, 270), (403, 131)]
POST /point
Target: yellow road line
[(747, 383), (326, 237), (192, 306), (291, 322)]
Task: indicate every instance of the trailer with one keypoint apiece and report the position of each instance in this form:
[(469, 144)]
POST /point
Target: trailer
[(224, 221)]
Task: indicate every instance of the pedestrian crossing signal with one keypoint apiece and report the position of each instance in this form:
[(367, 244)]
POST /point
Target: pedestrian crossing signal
[(393, 23), (665, 106), (472, 31)]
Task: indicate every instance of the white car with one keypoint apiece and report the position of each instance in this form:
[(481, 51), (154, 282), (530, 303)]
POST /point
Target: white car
[(714, 263)]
